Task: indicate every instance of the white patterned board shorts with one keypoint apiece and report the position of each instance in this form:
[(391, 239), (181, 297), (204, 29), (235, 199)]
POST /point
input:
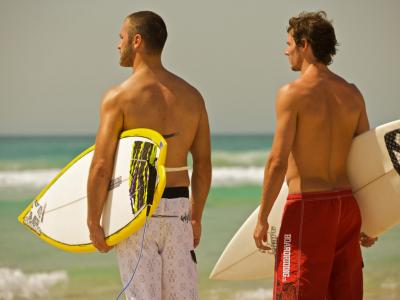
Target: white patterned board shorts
[(167, 269)]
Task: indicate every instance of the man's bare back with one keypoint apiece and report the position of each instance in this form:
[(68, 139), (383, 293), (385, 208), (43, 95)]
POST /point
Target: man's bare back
[(329, 111), (160, 100)]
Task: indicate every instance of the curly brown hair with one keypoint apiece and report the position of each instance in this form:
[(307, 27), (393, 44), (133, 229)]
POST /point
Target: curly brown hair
[(318, 31)]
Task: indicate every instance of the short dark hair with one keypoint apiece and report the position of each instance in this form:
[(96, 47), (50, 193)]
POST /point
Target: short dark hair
[(152, 29), (318, 31)]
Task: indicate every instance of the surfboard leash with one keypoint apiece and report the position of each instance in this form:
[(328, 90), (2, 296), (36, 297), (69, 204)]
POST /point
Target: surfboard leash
[(137, 264)]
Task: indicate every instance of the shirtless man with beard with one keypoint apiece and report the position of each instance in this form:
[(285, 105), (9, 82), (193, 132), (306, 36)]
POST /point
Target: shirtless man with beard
[(154, 98)]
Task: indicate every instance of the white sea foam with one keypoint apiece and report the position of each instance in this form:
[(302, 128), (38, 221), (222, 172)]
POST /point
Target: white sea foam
[(239, 158), (32, 178), (16, 284), (259, 294), (222, 176), (256, 294), (234, 176), (389, 284)]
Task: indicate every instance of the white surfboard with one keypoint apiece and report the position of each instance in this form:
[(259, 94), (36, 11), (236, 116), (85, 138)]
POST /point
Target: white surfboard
[(374, 173), (241, 258), (58, 214)]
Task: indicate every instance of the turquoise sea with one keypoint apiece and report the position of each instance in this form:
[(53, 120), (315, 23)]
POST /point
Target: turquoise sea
[(31, 269)]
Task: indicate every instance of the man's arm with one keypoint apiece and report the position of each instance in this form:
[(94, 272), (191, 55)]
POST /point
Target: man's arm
[(275, 169), (101, 169), (363, 126), (363, 123), (201, 176)]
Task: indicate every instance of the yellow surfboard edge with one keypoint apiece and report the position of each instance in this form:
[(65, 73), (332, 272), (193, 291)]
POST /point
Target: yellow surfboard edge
[(135, 224)]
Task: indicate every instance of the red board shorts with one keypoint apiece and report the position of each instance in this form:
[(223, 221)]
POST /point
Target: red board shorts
[(318, 255)]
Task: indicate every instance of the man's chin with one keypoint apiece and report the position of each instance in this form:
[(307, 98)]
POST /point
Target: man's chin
[(124, 64), (295, 69)]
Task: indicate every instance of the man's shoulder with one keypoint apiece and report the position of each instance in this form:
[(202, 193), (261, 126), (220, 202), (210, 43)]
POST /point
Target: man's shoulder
[(344, 83), (291, 92), (132, 88), (290, 89), (113, 92), (354, 89), (287, 98), (111, 98), (187, 88), (350, 89)]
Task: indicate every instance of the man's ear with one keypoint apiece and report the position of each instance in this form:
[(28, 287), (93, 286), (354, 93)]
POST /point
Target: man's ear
[(303, 44), (137, 41)]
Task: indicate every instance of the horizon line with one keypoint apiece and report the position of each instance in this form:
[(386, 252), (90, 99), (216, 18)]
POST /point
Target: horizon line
[(40, 135)]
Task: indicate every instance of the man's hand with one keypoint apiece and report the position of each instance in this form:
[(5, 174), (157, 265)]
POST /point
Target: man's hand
[(367, 241), (260, 236), (196, 232), (98, 239)]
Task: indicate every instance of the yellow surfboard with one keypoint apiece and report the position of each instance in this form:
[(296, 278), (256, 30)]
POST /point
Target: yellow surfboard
[(58, 214)]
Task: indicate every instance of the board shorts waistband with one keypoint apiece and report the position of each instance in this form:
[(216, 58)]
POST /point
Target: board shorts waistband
[(176, 192), (321, 195)]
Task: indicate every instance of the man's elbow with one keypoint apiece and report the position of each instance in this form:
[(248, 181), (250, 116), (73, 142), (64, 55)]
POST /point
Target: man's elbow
[(100, 170), (203, 167), (203, 164), (277, 164)]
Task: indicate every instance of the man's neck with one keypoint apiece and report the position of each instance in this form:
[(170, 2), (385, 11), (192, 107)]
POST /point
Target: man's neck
[(314, 67), (149, 62)]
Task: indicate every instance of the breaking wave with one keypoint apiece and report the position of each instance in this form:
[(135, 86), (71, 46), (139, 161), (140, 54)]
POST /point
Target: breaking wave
[(16, 284)]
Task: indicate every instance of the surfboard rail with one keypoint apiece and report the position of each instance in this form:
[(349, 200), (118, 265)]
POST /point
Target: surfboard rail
[(135, 224)]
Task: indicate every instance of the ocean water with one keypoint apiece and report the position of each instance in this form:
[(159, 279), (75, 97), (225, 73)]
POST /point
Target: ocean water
[(31, 269)]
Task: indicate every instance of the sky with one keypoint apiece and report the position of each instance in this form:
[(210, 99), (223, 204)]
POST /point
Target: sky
[(58, 58)]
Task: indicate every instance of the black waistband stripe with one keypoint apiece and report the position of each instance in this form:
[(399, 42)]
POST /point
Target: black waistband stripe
[(176, 192)]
